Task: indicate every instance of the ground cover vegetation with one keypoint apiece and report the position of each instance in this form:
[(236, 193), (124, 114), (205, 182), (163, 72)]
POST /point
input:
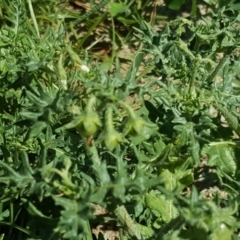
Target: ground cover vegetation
[(130, 107)]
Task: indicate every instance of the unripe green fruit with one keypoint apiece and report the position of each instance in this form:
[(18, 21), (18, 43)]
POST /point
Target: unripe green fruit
[(134, 127), (112, 139), (223, 232), (89, 124)]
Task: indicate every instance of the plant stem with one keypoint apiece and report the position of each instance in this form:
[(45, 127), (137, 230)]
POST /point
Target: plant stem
[(219, 66), (93, 154), (87, 230), (196, 65), (33, 17), (194, 9), (92, 11)]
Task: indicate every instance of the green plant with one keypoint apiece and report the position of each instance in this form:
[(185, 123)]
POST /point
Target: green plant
[(70, 140)]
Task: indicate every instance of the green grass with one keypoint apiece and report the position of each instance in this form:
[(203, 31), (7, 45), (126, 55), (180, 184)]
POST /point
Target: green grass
[(148, 129)]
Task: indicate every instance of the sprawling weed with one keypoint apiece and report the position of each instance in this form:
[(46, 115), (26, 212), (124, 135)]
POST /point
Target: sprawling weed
[(71, 142)]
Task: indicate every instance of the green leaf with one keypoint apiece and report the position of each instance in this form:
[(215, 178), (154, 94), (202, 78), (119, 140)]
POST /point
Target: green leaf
[(73, 223), (116, 8), (121, 179), (37, 128), (221, 156), (4, 214), (174, 4), (222, 232), (162, 205), (146, 232), (176, 180)]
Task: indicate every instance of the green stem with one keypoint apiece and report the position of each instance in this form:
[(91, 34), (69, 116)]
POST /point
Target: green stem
[(193, 76), (231, 119), (33, 17), (194, 9), (43, 154), (25, 161), (93, 154), (114, 45), (130, 111), (90, 30), (92, 11), (108, 120), (73, 55), (87, 230), (14, 174), (73, 30), (220, 65)]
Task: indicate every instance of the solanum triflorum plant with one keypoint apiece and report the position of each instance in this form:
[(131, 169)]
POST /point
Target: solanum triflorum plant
[(70, 142)]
